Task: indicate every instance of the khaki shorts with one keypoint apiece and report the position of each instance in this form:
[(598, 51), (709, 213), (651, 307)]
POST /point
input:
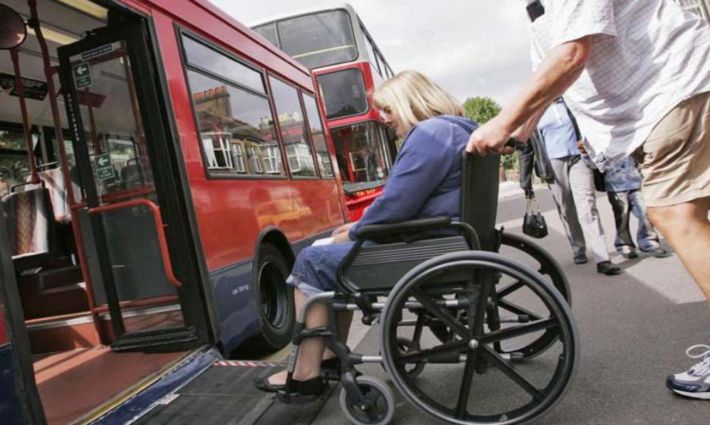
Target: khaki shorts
[(675, 159)]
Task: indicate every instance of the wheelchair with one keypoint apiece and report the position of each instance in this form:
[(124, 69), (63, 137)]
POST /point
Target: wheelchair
[(467, 334)]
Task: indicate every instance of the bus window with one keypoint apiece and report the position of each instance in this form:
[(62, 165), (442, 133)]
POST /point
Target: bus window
[(316, 124), (268, 31), (319, 39), (361, 157), (14, 165), (344, 93), (293, 129), (234, 123), (204, 58)]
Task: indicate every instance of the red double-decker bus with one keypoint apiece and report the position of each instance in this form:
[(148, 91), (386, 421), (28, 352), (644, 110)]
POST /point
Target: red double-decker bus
[(160, 165), (348, 65)]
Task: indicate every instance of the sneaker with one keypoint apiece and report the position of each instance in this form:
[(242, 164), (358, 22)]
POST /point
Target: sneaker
[(607, 268), (657, 252), (694, 383)]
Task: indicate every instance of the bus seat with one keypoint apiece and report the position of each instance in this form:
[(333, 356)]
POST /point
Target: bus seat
[(132, 175), (29, 221), (54, 182)]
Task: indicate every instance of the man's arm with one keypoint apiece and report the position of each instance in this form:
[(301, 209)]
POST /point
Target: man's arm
[(556, 73)]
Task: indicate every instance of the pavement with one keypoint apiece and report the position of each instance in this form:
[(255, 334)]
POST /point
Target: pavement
[(634, 330)]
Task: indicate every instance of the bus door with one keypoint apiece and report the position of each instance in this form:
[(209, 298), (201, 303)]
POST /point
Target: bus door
[(133, 217)]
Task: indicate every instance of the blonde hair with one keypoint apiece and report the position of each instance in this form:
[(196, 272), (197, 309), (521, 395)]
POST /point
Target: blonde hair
[(413, 97)]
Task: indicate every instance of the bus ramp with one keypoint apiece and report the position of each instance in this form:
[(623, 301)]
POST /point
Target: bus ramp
[(224, 394)]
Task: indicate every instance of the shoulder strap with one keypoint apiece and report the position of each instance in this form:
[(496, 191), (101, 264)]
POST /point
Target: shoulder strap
[(577, 133)]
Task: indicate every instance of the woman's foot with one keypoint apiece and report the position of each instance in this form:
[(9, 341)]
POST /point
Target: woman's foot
[(277, 383), (273, 383)]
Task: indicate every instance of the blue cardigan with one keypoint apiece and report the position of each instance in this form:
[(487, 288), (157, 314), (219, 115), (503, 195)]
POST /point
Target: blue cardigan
[(425, 180)]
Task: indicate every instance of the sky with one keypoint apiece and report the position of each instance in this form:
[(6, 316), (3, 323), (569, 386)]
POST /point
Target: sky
[(469, 47)]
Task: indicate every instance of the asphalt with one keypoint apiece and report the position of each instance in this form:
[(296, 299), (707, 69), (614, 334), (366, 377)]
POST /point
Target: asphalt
[(634, 329)]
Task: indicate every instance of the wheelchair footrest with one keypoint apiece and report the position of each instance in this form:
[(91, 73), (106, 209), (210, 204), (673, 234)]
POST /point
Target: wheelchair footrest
[(321, 331), (297, 398)]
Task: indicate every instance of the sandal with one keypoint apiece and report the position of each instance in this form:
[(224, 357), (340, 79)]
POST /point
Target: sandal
[(310, 387)]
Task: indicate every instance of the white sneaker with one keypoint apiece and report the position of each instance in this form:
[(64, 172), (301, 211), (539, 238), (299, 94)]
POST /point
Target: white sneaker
[(694, 383)]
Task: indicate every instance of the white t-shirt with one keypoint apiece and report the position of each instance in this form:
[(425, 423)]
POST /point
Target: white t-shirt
[(646, 57)]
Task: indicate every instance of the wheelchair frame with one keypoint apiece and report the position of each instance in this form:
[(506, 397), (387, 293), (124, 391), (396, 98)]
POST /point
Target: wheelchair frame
[(466, 265)]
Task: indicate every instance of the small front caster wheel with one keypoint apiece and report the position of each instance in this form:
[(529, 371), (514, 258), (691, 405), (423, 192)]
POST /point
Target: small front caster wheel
[(376, 406)]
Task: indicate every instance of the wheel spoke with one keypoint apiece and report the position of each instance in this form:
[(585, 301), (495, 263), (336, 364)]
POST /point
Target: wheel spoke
[(441, 314), (466, 383), (514, 308), (432, 353), (516, 331), (507, 290), (511, 373)]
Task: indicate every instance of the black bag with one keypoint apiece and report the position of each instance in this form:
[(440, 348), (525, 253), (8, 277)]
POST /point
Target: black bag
[(543, 167), (599, 183), (534, 224)]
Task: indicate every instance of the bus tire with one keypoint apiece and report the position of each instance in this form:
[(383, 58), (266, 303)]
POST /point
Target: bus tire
[(274, 300)]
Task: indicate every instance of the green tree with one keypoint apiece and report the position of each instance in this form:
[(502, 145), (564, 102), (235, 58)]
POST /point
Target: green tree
[(481, 109)]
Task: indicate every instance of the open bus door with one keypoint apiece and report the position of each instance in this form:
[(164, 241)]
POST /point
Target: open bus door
[(141, 255)]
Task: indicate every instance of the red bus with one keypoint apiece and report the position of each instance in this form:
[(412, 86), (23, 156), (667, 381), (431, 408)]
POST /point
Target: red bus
[(348, 65), (161, 165)]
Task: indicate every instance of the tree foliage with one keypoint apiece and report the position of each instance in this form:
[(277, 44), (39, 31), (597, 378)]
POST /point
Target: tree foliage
[(481, 109)]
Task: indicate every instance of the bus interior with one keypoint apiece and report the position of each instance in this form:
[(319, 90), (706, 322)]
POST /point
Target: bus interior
[(102, 311)]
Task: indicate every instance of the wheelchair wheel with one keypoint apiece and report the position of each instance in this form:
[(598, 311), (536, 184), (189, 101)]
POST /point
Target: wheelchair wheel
[(512, 306), (378, 408), (526, 251), (406, 345), (466, 379)]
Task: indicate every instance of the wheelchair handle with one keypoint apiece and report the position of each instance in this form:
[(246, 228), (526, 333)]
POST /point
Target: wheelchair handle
[(411, 226)]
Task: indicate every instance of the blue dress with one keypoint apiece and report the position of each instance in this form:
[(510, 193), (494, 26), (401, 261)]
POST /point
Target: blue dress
[(425, 181)]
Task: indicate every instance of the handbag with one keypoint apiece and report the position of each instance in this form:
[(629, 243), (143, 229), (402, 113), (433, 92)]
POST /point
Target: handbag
[(534, 224), (543, 167), (599, 183)]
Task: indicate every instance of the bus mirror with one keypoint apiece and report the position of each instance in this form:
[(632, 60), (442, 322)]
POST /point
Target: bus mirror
[(12, 28)]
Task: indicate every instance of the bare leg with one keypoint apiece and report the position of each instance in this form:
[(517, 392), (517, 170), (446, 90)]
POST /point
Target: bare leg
[(687, 229), (311, 350)]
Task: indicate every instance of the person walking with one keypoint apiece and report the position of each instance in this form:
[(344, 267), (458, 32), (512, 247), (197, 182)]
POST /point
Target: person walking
[(622, 183), (636, 75), (572, 187)]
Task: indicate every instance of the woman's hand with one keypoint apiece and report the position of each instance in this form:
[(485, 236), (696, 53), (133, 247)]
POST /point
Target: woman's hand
[(345, 228), (341, 237)]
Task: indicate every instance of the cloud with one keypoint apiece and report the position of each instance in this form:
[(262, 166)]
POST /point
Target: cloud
[(471, 48)]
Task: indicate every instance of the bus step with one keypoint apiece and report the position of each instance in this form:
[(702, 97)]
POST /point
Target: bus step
[(172, 339)]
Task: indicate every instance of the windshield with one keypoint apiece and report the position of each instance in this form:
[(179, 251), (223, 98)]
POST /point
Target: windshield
[(363, 157), (344, 93), (320, 39)]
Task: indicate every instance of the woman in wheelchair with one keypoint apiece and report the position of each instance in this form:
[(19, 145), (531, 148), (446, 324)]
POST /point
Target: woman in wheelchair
[(425, 181)]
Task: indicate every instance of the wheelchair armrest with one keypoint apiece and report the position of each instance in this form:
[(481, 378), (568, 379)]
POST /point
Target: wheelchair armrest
[(412, 226)]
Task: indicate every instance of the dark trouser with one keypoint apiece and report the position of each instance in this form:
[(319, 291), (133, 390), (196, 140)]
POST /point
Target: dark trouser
[(624, 204)]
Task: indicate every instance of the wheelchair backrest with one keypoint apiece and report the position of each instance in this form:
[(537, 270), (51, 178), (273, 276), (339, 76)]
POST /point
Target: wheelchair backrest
[(479, 197)]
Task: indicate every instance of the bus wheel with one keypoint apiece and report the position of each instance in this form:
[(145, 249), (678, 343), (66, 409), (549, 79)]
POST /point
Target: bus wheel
[(274, 300)]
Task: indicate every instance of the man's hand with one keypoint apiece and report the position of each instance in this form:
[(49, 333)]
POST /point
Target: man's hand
[(581, 148), (490, 138)]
